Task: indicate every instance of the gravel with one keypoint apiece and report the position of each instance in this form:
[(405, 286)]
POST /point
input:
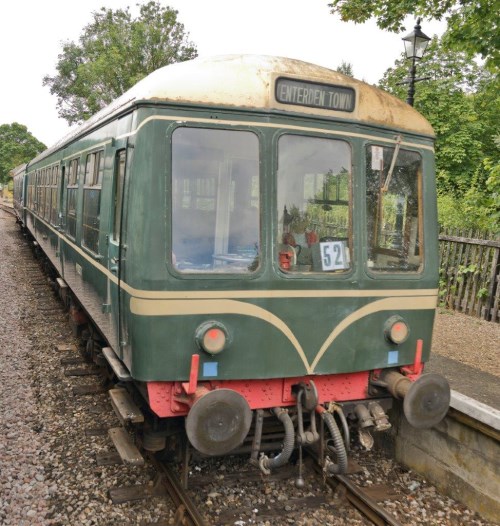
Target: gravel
[(468, 340), (48, 469)]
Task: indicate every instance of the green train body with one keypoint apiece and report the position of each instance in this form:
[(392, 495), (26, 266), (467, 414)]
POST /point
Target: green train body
[(279, 208)]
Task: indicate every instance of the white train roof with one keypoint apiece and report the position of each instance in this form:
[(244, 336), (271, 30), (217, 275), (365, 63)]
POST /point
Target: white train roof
[(248, 81)]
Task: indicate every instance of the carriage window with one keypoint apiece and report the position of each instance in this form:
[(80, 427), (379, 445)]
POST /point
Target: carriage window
[(94, 167), (215, 201), (46, 194), (31, 178), (314, 205), (38, 199), (53, 199), (394, 209), (71, 201)]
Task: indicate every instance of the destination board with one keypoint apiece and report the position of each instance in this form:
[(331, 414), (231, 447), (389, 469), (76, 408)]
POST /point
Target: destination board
[(315, 95)]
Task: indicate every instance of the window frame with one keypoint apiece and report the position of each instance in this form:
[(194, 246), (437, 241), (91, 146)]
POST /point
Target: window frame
[(315, 274), (251, 274), (420, 234), (72, 175), (92, 182)]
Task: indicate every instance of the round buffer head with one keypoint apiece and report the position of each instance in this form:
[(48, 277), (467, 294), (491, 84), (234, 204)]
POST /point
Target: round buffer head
[(218, 422), (427, 401)]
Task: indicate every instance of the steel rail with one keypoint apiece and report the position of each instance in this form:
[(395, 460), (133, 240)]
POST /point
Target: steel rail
[(365, 504), (357, 497), (186, 513)]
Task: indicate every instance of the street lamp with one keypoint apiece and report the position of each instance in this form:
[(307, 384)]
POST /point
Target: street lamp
[(415, 45)]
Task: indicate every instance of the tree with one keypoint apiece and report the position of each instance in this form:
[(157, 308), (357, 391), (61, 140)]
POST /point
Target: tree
[(472, 25), (113, 53), (447, 101), (460, 100), (346, 68), (17, 146)]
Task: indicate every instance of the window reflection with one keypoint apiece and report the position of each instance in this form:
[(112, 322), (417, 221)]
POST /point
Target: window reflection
[(394, 209), (314, 212), (215, 201)]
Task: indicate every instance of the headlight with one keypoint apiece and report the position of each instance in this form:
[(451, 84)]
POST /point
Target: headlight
[(212, 337), (396, 330)]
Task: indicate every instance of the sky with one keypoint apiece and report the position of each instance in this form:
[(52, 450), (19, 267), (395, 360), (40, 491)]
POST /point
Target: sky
[(32, 33)]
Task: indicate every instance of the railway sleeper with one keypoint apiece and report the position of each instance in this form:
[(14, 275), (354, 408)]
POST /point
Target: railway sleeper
[(128, 451)]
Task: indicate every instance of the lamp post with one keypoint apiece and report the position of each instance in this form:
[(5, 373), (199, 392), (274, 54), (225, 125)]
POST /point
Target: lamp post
[(415, 45)]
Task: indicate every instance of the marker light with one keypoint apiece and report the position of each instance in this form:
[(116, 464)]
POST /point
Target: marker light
[(212, 337), (396, 330)]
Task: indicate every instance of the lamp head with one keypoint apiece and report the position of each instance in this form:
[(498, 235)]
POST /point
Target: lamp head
[(416, 42)]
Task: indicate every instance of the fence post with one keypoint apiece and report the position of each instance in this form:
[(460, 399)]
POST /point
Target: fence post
[(493, 288)]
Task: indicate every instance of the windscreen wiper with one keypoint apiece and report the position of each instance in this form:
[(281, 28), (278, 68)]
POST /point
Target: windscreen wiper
[(399, 138)]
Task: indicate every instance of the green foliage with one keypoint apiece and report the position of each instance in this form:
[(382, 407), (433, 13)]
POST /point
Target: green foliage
[(346, 68), (472, 26), (460, 100), (17, 146), (482, 293), (113, 53)]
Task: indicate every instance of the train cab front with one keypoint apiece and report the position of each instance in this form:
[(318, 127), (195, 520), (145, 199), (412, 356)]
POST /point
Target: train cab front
[(300, 271)]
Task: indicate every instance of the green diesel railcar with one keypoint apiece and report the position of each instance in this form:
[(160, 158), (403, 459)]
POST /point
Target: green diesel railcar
[(251, 233)]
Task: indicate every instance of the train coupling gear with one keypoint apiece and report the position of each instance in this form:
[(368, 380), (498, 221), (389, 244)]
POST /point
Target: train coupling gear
[(365, 418), (257, 437), (366, 438), (365, 425), (266, 464), (218, 420), (379, 417), (335, 446), (425, 401), (307, 398)]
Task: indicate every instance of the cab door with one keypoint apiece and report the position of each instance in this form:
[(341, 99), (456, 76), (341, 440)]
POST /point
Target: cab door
[(115, 250)]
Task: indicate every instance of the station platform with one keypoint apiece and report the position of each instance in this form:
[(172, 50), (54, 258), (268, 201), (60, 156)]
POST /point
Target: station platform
[(473, 392), (472, 382)]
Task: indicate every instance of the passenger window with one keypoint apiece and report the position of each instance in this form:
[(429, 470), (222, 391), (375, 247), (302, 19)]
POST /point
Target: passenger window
[(215, 201), (314, 204), (94, 167), (54, 194), (47, 194), (71, 197), (394, 209), (39, 187)]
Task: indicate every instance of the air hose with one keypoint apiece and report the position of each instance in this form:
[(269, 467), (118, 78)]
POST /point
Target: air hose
[(266, 464), (340, 466)]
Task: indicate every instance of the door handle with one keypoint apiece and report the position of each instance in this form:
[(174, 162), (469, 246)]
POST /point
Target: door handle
[(114, 269)]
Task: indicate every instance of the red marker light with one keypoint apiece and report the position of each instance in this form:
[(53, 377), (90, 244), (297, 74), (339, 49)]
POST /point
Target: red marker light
[(212, 337), (399, 332), (396, 330)]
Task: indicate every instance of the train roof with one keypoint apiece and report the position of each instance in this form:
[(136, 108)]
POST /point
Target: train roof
[(249, 82), (17, 170)]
